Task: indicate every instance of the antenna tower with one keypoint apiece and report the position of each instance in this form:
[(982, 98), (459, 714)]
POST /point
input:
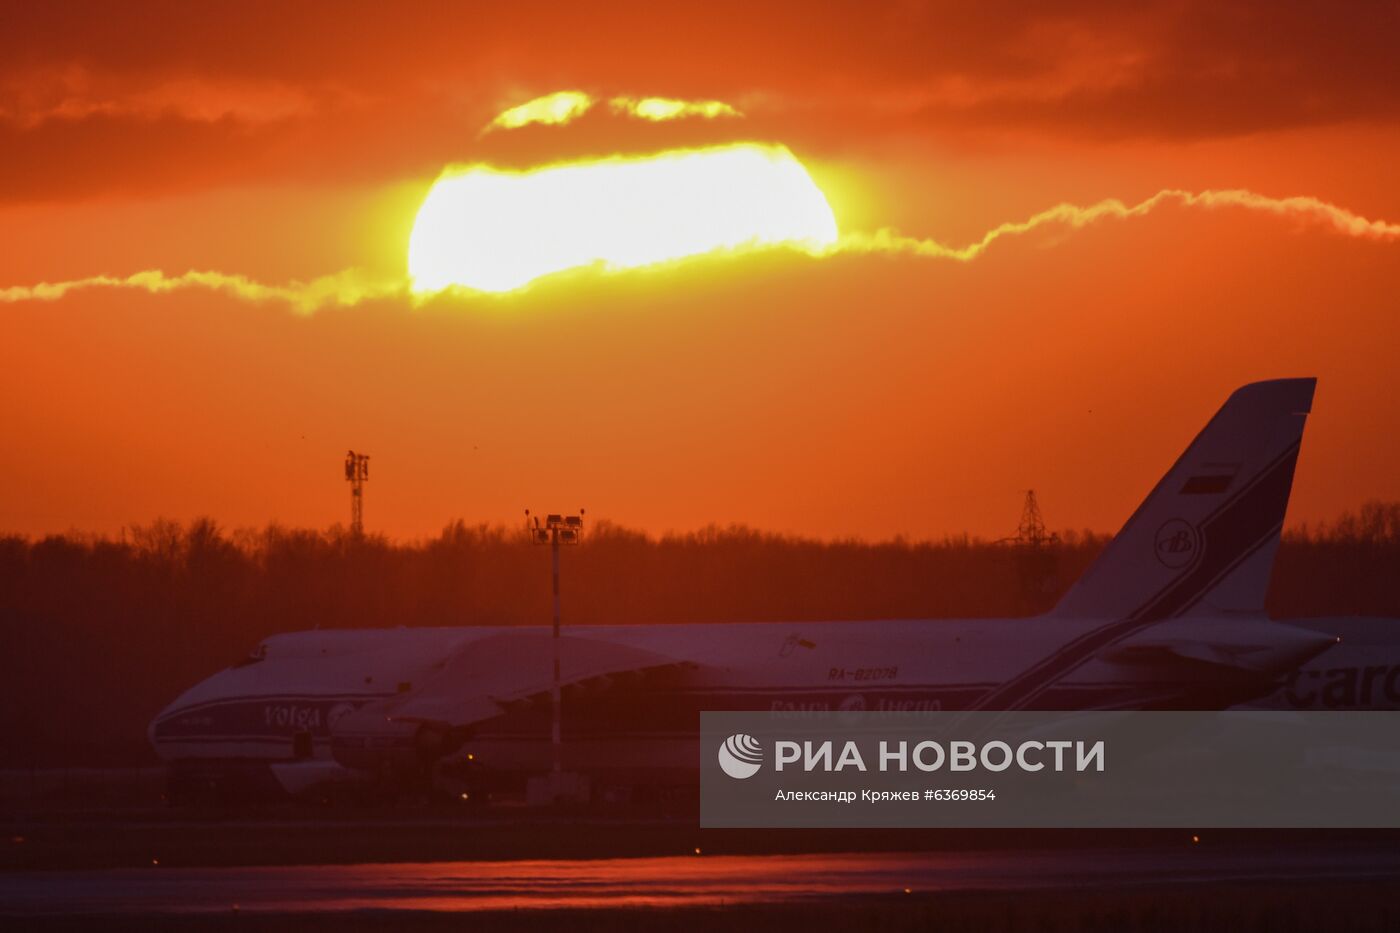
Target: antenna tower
[(357, 474)]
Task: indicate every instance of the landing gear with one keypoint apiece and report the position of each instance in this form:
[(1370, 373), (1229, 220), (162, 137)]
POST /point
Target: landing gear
[(460, 781)]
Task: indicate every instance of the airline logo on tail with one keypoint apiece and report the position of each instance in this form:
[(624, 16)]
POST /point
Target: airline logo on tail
[(1176, 543)]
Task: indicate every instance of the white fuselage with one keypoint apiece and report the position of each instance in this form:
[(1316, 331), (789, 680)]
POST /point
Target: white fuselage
[(283, 706)]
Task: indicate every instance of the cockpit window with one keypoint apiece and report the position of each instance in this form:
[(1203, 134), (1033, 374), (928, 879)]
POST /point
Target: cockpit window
[(253, 657)]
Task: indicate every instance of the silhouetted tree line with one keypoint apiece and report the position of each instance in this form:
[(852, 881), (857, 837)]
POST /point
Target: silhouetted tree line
[(100, 633)]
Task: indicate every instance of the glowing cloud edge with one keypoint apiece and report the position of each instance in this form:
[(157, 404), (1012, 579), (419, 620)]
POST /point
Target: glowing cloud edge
[(550, 110), (563, 107)]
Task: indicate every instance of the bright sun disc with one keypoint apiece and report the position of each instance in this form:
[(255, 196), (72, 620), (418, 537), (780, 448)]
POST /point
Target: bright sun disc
[(494, 230)]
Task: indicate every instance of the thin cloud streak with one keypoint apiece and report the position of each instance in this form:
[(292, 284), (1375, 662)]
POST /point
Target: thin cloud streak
[(346, 288), (1076, 217), (351, 287)]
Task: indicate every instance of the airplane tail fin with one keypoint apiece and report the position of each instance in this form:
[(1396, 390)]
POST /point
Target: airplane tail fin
[(1204, 540)]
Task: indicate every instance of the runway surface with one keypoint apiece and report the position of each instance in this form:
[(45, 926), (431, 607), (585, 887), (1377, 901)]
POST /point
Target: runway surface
[(668, 882)]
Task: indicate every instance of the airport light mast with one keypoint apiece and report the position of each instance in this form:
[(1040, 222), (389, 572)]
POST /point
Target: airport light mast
[(357, 474), (566, 530)]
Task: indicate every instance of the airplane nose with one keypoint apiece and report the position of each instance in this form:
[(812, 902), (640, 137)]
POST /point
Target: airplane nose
[(153, 731)]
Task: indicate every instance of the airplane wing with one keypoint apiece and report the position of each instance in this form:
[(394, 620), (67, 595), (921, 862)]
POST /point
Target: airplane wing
[(1249, 646), (479, 682)]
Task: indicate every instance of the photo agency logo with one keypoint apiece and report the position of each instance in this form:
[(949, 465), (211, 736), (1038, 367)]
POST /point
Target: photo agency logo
[(1091, 768), (741, 755)]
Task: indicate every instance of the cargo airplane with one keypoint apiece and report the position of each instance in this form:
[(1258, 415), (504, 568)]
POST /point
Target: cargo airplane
[(1170, 616)]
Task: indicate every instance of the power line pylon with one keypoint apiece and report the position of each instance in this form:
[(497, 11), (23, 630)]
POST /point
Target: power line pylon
[(1031, 531), (1036, 555)]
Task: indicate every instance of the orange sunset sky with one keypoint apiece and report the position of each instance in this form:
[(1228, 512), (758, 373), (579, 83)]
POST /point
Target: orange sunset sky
[(868, 392)]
